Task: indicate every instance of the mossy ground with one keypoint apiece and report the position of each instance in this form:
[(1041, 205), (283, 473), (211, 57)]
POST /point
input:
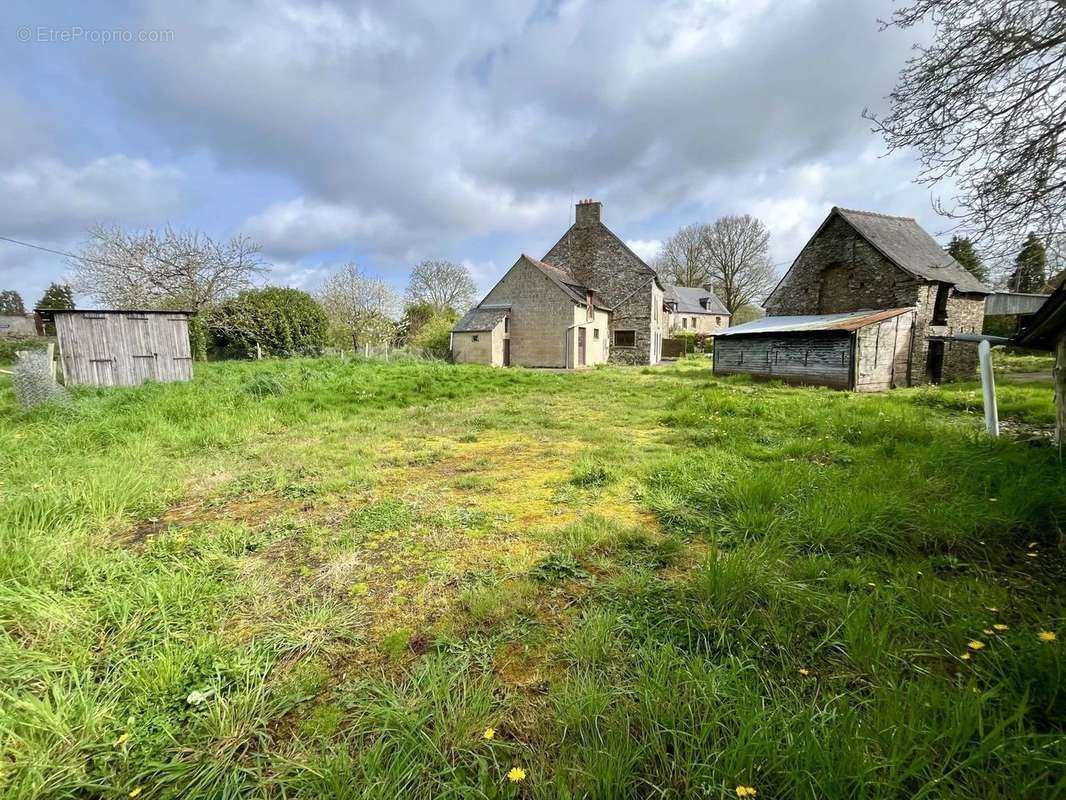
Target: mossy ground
[(650, 583)]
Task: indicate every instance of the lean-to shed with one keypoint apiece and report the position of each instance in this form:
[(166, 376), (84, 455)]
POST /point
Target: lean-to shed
[(867, 351), (103, 347)]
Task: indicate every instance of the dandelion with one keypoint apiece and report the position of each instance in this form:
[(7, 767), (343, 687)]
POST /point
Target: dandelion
[(136, 791), (516, 775), (1046, 636), (999, 626), (746, 791), (988, 631), (121, 740), (489, 733), (965, 656), (976, 644), (804, 672)]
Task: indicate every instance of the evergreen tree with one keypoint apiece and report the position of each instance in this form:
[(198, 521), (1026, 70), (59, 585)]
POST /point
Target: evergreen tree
[(57, 295), (11, 302), (1030, 271), (962, 250)]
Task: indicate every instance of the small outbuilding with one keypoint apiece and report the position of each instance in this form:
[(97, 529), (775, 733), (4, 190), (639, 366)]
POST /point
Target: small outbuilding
[(1046, 330), (867, 351), (112, 347)]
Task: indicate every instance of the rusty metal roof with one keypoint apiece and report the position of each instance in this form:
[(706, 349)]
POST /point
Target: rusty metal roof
[(847, 321)]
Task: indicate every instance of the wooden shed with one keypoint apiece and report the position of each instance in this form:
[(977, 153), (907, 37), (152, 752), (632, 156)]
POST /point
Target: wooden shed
[(867, 351), (104, 347)]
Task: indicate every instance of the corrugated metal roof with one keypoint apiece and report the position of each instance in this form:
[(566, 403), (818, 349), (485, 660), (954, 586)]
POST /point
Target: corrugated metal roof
[(847, 321), (481, 318), (694, 300)]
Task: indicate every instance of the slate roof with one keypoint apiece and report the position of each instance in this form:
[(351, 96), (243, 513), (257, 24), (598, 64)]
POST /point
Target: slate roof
[(481, 318), (567, 281), (847, 321), (694, 300), (907, 245)]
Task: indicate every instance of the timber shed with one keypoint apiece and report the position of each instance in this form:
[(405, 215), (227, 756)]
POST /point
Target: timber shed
[(102, 347), (867, 351)]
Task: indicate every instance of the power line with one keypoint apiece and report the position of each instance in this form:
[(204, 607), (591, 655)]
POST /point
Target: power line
[(63, 253)]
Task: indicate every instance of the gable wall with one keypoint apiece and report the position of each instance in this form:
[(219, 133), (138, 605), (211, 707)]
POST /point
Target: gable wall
[(539, 318), (600, 261)]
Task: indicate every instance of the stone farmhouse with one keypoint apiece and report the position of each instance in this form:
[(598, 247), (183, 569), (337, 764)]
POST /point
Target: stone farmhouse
[(590, 300), (694, 308), (863, 261)]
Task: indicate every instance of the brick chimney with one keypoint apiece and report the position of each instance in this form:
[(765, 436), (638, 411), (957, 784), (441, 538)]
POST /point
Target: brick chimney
[(586, 213)]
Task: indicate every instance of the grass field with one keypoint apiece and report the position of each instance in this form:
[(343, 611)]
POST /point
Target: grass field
[(321, 579)]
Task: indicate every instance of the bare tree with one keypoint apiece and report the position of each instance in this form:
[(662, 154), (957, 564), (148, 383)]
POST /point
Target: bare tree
[(442, 284), (985, 106), (737, 249), (153, 268), (683, 259), (360, 308)]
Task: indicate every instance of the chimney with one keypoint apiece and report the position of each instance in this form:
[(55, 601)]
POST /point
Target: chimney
[(586, 213)]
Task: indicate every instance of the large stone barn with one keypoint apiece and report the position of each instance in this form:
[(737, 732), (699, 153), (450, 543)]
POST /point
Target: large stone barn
[(862, 350), (538, 315), (860, 260), (121, 347)]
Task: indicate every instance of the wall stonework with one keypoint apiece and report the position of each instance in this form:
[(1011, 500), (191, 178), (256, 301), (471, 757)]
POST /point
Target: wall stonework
[(840, 271), (602, 262)]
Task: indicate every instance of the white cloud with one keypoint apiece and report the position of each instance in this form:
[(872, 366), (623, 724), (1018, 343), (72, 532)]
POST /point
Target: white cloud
[(301, 226), (48, 197), (647, 249)]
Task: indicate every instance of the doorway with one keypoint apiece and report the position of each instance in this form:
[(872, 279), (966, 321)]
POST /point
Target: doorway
[(507, 352), (581, 334), (934, 363)]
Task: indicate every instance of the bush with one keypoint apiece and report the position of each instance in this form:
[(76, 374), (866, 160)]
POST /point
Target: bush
[(434, 339), (283, 322), (9, 345)]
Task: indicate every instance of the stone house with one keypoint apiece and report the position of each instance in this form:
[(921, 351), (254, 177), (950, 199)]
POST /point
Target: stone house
[(860, 260), (694, 308), (599, 260), (538, 315)]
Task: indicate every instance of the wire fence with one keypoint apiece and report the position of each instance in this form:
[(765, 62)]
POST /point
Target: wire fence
[(34, 379)]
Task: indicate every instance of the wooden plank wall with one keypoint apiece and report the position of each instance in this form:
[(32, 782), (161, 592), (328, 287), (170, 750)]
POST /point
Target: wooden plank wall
[(882, 354), (822, 359), (124, 348)]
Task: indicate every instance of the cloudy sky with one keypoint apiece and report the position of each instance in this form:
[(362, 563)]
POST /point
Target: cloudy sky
[(387, 132)]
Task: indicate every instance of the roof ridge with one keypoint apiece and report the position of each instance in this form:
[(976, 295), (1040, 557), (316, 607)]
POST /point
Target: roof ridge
[(873, 213)]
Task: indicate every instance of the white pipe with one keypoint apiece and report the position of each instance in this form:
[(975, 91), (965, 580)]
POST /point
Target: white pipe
[(988, 388)]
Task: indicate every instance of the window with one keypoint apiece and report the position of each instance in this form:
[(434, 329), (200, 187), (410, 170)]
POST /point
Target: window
[(717, 320), (506, 324), (940, 307), (684, 322), (625, 338), (595, 333), (474, 338), (693, 322)]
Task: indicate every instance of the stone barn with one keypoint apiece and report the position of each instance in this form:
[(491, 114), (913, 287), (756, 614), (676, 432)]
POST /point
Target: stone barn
[(860, 260), (121, 347), (538, 315), (862, 350)]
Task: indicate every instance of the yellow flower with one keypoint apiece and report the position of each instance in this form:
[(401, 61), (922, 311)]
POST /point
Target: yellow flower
[(516, 775), (136, 791), (976, 644), (987, 631), (804, 672), (965, 656), (121, 740), (1046, 636), (999, 626), (746, 791), (489, 733)]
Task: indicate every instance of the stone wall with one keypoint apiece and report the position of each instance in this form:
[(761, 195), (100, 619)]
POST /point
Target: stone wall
[(602, 262), (539, 318), (478, 347)]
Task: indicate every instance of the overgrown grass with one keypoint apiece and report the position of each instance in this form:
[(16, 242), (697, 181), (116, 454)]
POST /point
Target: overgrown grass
[(327, 579)]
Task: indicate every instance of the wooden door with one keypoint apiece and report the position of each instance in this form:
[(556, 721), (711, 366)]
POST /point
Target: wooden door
[(581, 334), (507, 352), (142, 352)]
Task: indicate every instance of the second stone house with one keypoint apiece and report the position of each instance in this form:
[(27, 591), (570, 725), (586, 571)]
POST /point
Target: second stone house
[(860, 260)]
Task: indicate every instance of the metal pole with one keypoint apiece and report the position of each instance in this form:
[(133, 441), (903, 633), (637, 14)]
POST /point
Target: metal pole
[(988, 388)]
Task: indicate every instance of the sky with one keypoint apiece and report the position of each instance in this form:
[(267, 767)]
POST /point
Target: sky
[(385, 133)]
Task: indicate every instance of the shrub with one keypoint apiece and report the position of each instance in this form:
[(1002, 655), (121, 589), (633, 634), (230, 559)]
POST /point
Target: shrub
[(434, 339), (9, 345), (282, 322)]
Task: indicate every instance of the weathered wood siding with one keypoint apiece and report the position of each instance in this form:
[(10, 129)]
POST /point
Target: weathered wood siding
[(820, 359), (123, 348), (882, 354)]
